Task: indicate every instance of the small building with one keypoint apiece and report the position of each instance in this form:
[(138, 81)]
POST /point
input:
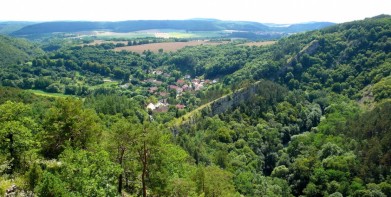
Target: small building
[(161, 109), (180, 106), (163, 94), (198, 86), (173, 87), (157, 82), (151, 106), (180, 82), (195, 80), (179, 90), (157, 72), (185, 87), (152, 90)]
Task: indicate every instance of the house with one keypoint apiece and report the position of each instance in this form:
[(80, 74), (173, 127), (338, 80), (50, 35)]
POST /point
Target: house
[(187, 76), (161, 103), (173, 87), (163, 94), (185, 87), (195, 81), (152, 90), (157, 72), (179, 90), (154, 81), (180, 82), (198, 86), (151, 106), (162, 109), (157, 82), (180, 106), (160, 106), (164, 101)]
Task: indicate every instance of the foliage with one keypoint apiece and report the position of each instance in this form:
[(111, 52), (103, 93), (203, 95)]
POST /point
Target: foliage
[(68, 124), (281, 120), (13, 51)]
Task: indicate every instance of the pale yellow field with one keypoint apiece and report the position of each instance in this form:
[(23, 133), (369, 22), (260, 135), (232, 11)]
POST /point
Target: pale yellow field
[(166, 46), (263, 43)]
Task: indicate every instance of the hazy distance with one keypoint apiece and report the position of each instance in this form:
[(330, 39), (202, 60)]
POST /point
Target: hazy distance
[(271, 11)]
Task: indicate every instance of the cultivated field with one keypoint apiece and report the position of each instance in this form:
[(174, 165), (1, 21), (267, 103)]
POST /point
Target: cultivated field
[(262, 43), (158, 33), (166, 46), (98, 42)]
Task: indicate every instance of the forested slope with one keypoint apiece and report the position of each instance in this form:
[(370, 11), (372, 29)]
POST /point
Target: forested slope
[(346, 153), (304, 131), (346, 58), (14, 50)]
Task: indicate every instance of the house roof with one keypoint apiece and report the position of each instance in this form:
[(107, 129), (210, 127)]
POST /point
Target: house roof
[(180, 106)]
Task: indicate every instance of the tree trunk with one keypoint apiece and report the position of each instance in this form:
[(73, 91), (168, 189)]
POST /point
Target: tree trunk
[(120, 160), (12, 152), (144, 161), (120, 184)]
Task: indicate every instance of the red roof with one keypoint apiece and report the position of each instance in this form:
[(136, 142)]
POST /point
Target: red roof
[(180, 106), (163, 93), (173, 87), (152, 89)]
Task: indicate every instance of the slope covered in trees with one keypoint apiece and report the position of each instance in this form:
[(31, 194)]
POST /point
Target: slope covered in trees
[(317, 123), (14, 50), (343, 58)]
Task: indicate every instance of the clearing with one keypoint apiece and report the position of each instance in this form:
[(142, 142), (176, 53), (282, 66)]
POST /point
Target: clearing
[(262, 43), (166, 46)]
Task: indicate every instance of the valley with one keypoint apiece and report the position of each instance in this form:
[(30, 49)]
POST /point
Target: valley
[(196, 108)]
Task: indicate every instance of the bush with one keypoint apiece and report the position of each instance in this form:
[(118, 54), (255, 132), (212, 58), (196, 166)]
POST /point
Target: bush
[(55, 88)]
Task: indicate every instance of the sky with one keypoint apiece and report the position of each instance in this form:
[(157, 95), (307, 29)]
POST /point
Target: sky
[(264, 11)]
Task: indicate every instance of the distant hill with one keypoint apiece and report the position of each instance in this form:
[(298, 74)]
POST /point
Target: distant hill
[(13, 50), (305, 27), (137, 25), (11, 26)]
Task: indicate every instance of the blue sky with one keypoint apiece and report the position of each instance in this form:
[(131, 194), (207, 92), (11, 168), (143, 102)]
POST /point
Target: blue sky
[(271, 11)]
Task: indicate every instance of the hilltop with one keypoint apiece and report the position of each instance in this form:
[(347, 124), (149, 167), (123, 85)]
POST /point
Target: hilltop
[(185, 25)]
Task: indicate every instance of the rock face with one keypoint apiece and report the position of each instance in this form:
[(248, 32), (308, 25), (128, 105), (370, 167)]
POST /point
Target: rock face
[(268, 90), (14, 191), (308, 49), (230, 101)]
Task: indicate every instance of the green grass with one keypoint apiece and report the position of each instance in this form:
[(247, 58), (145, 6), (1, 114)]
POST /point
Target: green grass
[(105, 84), (43, 93)]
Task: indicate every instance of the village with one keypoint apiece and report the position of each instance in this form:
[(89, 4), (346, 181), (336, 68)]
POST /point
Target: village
[(168, 92)]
